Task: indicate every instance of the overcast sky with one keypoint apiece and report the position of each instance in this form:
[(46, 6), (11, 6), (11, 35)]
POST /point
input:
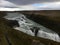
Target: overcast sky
[(31, 4)]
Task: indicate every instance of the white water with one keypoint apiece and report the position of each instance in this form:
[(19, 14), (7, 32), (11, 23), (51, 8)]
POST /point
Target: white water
[(25, 27)]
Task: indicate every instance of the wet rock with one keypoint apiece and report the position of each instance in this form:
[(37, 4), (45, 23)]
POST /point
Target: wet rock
[(35, 30)]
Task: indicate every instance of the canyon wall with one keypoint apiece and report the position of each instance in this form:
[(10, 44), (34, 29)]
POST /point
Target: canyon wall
[(47, 18)]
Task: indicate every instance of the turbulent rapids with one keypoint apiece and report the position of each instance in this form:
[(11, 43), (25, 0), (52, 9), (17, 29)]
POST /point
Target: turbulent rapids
[(32, 28)]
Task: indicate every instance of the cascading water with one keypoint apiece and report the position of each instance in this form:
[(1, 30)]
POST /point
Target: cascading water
[(32, 28)]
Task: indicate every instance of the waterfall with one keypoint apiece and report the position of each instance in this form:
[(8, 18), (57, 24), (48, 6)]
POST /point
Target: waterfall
[(52, 36), (27, 26)]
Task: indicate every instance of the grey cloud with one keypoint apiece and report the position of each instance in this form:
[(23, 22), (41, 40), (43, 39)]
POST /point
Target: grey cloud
[(25, 2), (7, 4)]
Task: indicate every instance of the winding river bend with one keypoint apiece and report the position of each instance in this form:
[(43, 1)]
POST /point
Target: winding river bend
[(32, 28)]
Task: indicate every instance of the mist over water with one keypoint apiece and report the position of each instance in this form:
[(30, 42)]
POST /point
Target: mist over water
[(26, 24)]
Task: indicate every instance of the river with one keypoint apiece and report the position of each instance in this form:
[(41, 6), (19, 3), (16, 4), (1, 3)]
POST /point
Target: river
[(26, 25)]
